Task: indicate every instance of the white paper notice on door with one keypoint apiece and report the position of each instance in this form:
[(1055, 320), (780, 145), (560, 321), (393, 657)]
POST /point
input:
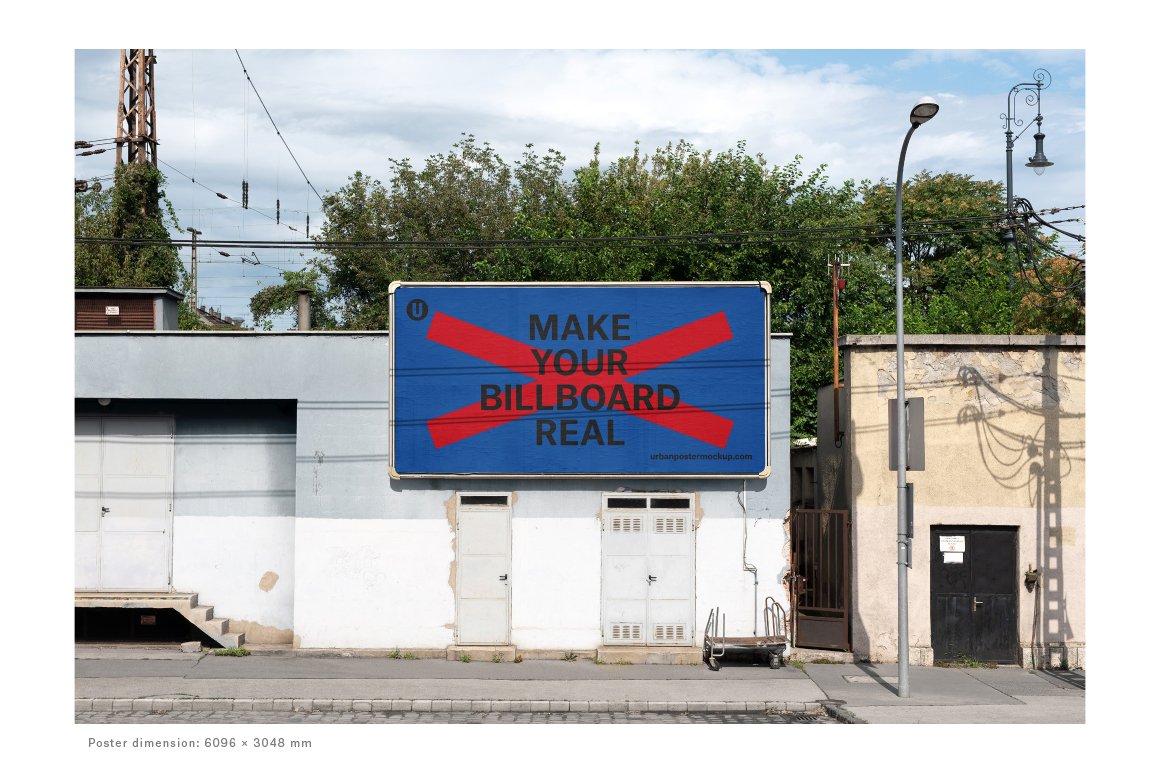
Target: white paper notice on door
[(952, 543), (952, 557)]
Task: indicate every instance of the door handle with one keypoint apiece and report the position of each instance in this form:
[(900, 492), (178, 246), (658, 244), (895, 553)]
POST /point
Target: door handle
[(652, 578), (503, 577), (104, 510), (975, 603)]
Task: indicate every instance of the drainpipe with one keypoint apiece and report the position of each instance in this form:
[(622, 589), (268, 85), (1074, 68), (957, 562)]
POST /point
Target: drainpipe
[(303, 309), (742, 500)]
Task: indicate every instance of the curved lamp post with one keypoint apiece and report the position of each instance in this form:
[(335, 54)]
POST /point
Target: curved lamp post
[(1039, 161), (922, 112)]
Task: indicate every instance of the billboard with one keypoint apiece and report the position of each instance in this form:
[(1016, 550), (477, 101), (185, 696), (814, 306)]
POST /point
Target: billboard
[(616, 379)]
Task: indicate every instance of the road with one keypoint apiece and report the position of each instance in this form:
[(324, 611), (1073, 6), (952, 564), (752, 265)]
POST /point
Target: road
[(252, 717)]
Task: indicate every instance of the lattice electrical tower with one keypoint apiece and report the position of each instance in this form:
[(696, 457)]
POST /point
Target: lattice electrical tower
[(136, 113)]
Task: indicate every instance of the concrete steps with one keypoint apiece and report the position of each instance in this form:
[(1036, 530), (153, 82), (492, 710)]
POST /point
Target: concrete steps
[(481, 653), (608, 655), (185, 603), (628, 654)]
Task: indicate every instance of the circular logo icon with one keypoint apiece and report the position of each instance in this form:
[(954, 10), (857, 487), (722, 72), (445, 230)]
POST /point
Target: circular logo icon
[(417, 309)]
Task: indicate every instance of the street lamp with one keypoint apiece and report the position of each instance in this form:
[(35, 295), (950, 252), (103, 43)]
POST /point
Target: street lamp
[(922, 112), (1039, 161)]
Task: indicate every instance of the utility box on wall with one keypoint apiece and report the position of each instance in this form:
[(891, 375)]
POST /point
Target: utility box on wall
[(915, 434)]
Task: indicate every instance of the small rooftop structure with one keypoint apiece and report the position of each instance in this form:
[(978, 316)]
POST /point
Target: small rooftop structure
[(138, 309)]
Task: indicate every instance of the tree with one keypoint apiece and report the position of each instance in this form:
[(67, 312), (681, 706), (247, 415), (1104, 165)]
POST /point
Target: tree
[(1053, 300), (274, 300), (133, 209), (681, 214), (694, 196), (469, 193), (960, 276)]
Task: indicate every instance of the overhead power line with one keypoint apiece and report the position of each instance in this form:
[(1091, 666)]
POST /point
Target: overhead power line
[(276, 130), (226, 197), (834, 234)]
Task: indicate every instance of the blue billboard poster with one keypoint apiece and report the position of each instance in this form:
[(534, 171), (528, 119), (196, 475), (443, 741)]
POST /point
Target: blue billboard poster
[(626, 380)]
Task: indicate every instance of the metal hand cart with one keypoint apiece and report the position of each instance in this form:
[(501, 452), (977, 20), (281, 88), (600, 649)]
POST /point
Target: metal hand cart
[(770, 648)]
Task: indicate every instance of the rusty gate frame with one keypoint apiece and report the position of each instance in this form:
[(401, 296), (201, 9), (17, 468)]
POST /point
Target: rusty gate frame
[(819, 578)]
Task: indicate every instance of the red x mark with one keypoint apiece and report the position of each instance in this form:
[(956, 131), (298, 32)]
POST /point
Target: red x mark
[(519, 358)]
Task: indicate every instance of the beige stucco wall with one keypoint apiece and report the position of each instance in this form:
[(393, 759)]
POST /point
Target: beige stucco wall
[(1004, 437)]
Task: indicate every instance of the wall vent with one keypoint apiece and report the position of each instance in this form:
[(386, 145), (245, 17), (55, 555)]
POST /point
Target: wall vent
[(626, 524), (669, 632), (626, 631)]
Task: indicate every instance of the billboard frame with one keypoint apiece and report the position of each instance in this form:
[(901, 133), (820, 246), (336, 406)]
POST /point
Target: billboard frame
[(762, 285)]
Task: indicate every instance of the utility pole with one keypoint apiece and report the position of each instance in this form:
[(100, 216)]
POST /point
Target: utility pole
[(136, 112), (193, 269), (838, 284)]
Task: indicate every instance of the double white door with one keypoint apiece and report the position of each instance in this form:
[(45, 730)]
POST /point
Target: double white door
[(123, 503), (648, 570)]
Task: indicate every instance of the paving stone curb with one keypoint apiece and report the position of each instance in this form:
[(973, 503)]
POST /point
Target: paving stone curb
[(450, 705), (835, 708)]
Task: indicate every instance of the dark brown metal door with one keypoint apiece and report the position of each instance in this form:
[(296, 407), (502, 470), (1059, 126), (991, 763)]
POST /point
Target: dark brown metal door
[(820, 578), (973, 593)]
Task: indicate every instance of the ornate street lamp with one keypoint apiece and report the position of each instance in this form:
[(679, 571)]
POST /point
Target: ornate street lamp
[(1032, 92), (919, 115)]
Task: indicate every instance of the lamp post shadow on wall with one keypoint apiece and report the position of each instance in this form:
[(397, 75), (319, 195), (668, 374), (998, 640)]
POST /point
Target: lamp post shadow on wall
[(922, 112)]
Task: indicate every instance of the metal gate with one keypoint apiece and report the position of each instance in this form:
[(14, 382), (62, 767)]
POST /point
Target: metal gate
[(820, 578)]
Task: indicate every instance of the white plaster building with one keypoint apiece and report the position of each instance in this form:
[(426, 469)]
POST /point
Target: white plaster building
[(252, 470)]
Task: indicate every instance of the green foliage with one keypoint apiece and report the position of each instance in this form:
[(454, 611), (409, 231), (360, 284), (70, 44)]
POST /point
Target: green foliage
[(960, 278), (236, 651), (1044, 309), (471, 193), (133, 209), (273, 300)]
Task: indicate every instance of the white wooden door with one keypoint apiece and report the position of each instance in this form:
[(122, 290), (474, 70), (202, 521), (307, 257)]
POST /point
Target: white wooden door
[(123, 503), (87, 504), (648, 570), (483, 574)]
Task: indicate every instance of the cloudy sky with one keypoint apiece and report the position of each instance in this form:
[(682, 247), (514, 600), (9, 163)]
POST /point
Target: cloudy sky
[(220, 112)]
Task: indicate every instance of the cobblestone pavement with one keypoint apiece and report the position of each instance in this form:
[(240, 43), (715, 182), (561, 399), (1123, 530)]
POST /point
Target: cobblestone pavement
[(252, 717)]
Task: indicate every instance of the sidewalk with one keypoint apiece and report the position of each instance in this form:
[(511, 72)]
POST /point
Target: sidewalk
[(165, 679)]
